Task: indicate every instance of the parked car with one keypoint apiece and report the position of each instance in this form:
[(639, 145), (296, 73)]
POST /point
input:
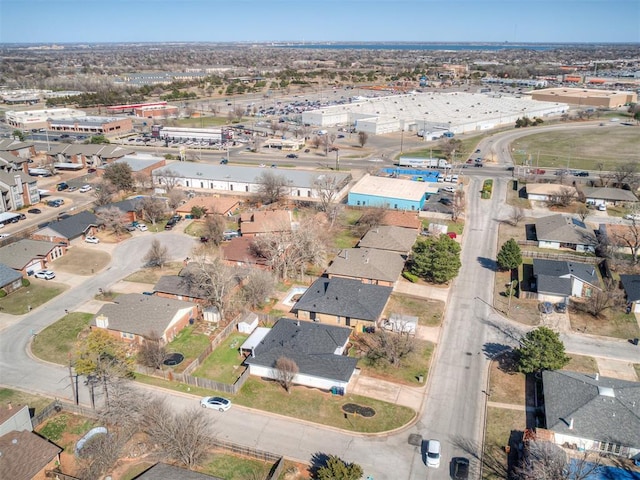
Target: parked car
[(91, 170), (218, 403), (545, 307), (91, 239), (45, 274), (449, 189), (35, 211), (292, 155), (85, 188), (142, 227), (446, 201), (224, 161), (561, 307), (229, 234), (131, 227), (55, 203), (602, 207), (478, 165), (538, 171), (581, 174), (72, 189), (433, 454), (62, 186), (460, 468)]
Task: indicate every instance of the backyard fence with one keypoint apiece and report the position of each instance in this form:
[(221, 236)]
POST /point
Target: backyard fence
[(565, 257), (217, 340)]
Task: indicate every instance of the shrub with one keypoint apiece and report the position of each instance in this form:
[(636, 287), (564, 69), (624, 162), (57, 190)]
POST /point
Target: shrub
[(410, 276), (25, 282), (3, 294)]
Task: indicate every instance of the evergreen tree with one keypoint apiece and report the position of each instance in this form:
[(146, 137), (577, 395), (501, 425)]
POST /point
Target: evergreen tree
[(338, 469), (436, 259), (541, 349), (509, 256)]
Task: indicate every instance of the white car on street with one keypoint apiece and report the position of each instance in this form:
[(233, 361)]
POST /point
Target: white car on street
[(433, 454), (45, 274), (92, 240), (84, 188), (142, 227), (218, 403)]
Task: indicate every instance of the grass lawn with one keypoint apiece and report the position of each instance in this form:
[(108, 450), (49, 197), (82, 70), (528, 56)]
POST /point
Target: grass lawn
[(82, 261), (584, 149), (429, 312), (152, 275), (235, 467), (517, 198), (54, 343), (189, 344), (17, 399), (499, 424), (581, 364), (304, 403), (506, 387), (456, 227), (345, 238), (223, 365), (36, 294), (135, 470), (415, 365), (522, 310), (612, 323)]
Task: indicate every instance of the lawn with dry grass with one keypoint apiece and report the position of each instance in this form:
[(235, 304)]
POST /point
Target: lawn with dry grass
[(82, 261), (18, 399), (611, 323), (506, 385), (581, 364), (429, 312), (152, 275), (500, 422)]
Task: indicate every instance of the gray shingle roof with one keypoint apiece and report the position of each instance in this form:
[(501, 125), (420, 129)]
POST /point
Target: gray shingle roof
[(141, 314), (555, 276), (8, 275), (162, 471), (631, 285), (311, 345), (367, 263), (608, 193), (103, 151), (18, 254), (345, 297), (564, 229), (179, 285), (396, 239), (605, 409), (73, 226)]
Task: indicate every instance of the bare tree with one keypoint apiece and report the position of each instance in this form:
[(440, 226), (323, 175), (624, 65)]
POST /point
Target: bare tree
[(392, 348), (213, 228), (170, 179), (630, 237), (286, 370), (113, 219), (547, 461), (152, 209), (626, 174), (152, 352), (371, 218), (258, 286), (273, 126), (459, 204), (175, 198), (158, 254), (602, 300), (362, 138), (143, 179), (103, 193), (582, 211), (271, 187), (563, 197), (326, 187), (99, 454), (214, 278), (517, 215)]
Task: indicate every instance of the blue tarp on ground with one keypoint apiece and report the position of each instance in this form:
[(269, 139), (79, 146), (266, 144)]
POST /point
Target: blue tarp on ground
[(611, 473), (427, 175)]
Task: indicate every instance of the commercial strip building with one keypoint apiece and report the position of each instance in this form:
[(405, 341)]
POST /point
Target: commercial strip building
[(30, 119), (458, 112), (585, 97), (92, 125)]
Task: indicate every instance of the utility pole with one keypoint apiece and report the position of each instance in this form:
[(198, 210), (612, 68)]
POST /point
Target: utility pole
[(337, 160), (73, 385)]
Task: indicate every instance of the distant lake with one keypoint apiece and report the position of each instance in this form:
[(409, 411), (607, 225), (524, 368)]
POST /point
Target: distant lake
[(422, 46)]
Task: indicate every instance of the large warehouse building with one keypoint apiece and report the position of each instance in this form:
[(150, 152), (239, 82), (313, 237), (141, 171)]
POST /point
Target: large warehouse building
[(586, 97), (30, 119), (458, 112)]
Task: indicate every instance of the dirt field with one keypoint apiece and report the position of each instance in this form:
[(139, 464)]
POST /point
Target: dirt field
[(82, 261), (611, 145)]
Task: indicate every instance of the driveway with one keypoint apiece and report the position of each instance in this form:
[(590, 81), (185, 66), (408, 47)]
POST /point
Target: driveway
[(421, 290), (391, 392)]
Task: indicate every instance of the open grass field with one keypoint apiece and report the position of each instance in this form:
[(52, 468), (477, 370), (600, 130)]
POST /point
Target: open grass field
[(583, 149), (223, 365), (54, 343), (25, 299), (82, 261)]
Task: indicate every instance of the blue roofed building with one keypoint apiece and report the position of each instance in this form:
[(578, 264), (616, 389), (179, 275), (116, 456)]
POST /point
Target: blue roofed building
[(391, 193)]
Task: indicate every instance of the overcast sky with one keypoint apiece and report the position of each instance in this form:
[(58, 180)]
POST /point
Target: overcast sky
[(35, 21)]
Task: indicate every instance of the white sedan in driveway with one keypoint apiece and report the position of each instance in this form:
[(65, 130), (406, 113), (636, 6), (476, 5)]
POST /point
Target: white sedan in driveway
[(85, 188), (218, 403), (46, 274), (92, 240), (142, 227)]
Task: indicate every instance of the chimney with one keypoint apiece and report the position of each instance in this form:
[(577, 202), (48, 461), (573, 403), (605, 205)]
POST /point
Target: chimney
[(102, 321), (571, 424)]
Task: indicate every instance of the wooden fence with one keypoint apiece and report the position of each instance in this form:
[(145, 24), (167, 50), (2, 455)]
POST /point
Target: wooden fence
[(565, 257)]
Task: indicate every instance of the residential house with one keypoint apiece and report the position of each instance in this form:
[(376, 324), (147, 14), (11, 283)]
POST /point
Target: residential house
[(27, 456), (631, 287), (88, 155), (343, 301), (17, 190), (557, 281), (401, 218), (391, 193), (134, 317), (608, 196), (180, 287), (564, 231), (620, 238), (15, 419), (253, 224), (142, 165), (369, 265), (130, 209), (28, 256), (393, 239), (10, 280), (211, 204), (545, 192), (593, 413), (238, 251), (82, 224), (163, 471), (316, 348)]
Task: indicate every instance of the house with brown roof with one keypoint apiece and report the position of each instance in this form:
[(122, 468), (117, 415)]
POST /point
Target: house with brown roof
[(27, 456), (212, 205), (27, 256), (402, 218), (394, 239), (134, 317), (238, 252), (265, 221), (369, 265)]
